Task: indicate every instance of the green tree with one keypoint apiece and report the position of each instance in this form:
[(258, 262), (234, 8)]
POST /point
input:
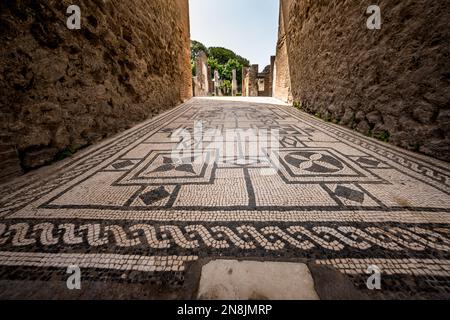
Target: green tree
[(215, 65), (223, 55), (193, 68), (226, 87), (223, 60), (228, 70), (196, 47), (244, 62)]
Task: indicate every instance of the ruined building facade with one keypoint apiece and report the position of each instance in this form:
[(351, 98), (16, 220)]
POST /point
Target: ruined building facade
[(255, 83), (201, 80), (392, 84), (250, 81), (63, 89)]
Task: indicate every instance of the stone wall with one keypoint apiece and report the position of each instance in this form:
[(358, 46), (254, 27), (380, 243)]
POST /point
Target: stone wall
[(393, 83), (250, 81), (202, 76), (257, 84), (265, 78), (271, 75), (63, 89), (281, 73)]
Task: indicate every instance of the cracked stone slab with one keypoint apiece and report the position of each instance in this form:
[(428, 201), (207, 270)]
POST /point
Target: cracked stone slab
[(254, 280)]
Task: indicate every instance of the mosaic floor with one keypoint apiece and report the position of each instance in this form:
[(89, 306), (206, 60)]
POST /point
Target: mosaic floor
[(334, 198)]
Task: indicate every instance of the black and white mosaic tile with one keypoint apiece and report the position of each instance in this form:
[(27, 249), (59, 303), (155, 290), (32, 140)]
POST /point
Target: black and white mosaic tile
[(338, 199)]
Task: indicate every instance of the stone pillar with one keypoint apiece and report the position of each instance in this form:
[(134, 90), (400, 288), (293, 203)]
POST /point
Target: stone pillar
[(210, 82), (253, 80), (216, 83), (234, 86), (201, 80), (272, 70), (245, 81)]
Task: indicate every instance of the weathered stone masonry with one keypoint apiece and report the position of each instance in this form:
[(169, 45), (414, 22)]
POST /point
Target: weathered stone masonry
[(281, 74), (258, 84), (391, 83), (63, 89)]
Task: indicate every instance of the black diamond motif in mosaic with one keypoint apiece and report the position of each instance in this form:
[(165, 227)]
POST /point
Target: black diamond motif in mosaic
[(164, 168), (167, 130), (185, 168), (170, 165), (369, 162), (349, 194), (122, 164), (154, 196)]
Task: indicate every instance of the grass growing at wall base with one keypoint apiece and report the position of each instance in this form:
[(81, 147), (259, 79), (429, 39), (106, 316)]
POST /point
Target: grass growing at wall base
[(66, 153), (383, 136), (61, 155), (415, 147)]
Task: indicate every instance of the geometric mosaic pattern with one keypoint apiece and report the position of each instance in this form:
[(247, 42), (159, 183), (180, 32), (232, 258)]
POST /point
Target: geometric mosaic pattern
[(338, 199), (245, 237)]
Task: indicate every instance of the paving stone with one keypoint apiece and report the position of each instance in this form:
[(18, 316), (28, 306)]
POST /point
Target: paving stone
[(253, 280)]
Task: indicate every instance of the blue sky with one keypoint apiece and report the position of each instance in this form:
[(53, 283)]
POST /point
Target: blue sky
[(248, 27)]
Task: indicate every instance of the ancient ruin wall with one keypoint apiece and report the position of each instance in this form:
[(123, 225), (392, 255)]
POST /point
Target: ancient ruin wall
[(281, 74), (63, 89), (203, 74), (391, 83), (250, 81)]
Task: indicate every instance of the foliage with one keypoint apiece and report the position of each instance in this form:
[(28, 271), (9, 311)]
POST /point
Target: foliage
[(66, 153), (226, 87), (221, 59), (384, 136), (214, 64), (196, 48), (193, 68), (223, 55), (415, 147), (226, 70)]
